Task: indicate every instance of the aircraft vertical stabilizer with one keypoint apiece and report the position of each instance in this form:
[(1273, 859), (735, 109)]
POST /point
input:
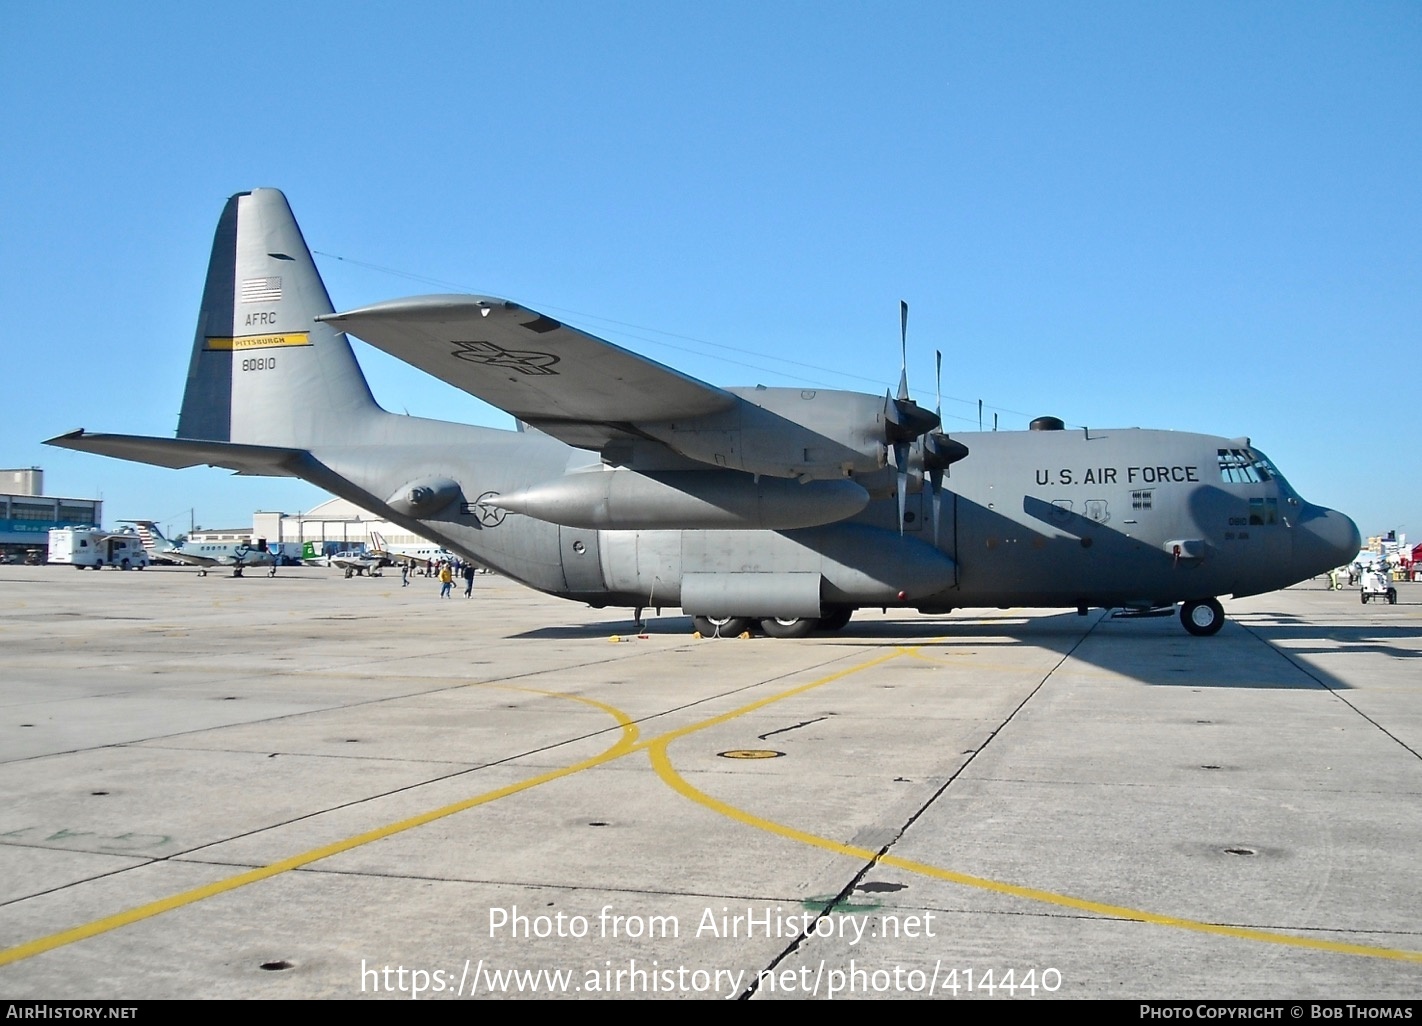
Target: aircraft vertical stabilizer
[(263, 370)]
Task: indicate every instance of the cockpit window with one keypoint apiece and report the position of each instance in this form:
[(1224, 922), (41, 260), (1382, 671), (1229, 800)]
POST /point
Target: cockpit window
[(1244, 466)]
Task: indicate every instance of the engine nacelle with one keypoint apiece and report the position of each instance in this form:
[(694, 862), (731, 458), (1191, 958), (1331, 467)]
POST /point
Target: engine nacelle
[(424, 497), (621, 499), (815, 434)]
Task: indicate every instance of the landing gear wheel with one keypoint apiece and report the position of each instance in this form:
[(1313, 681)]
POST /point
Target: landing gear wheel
[(1202, 617), (836, 619), (798, 627), (721, 626), (1365, 597)]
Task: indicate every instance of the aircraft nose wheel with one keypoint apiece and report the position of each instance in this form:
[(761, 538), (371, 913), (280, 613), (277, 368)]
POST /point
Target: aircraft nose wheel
[(1202, 617)]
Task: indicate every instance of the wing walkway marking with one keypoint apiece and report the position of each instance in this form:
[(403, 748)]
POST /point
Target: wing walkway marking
[(656, 749)]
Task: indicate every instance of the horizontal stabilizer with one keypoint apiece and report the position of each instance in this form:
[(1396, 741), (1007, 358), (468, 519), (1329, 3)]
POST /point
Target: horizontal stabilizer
[(257, 460), (177, 453)]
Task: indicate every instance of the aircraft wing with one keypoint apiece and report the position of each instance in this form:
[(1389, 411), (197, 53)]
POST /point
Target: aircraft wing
[(565, 382), (188, 558), (405, 557)]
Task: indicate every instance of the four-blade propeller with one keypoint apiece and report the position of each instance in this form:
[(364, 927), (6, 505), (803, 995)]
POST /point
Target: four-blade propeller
[(905, 422)]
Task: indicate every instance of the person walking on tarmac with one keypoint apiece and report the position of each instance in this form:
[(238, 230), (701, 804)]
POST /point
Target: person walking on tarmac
[(446, 580), (468, 580)]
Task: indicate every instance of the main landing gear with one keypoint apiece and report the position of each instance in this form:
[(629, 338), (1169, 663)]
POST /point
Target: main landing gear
[(798, 627), (721, 626), (772, 627), (1202, 617)]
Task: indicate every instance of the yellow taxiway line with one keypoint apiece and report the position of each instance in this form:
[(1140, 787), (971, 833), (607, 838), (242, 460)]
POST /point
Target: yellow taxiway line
[(656, 749)]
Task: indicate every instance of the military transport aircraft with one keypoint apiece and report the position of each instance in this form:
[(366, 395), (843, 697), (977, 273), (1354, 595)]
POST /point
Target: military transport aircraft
[(630, 484), (206, 555)]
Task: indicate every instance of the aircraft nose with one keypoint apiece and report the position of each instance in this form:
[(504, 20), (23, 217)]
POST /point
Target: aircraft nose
[(1325, 539)]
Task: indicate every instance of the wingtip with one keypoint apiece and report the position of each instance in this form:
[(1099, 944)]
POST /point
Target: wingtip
[(68, 436)]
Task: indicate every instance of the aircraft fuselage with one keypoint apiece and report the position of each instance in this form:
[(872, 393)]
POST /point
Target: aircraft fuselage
[(1070, 518)]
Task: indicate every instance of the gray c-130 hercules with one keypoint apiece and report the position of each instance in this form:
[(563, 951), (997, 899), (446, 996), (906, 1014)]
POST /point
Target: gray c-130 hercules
[(630, 484)]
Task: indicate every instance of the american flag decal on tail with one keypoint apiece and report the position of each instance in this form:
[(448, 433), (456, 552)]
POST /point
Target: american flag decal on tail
[(261, 290)]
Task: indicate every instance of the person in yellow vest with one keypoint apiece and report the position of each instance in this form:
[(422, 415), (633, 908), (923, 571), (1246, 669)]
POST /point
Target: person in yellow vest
[(446, 581)]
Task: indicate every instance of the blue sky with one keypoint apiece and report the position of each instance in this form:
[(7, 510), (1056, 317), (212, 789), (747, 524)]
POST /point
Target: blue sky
[(1195, 216)]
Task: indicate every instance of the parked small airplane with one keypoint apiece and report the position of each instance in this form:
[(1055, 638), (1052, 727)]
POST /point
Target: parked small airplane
[(206, 555), (357, 564), (631, 484), (382, 554), (421, 555)]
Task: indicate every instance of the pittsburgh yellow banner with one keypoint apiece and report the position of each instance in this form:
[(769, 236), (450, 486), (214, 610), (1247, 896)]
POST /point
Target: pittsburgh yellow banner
[(296, 338)]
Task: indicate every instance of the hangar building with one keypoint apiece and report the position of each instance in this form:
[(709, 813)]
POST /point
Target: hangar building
[(27, 515), (332, 526)]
